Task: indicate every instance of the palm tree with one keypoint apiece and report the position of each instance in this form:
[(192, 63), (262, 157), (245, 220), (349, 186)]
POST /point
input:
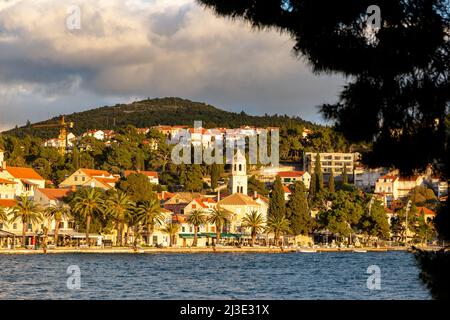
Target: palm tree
[(58, 213), (278, 225), (120, 207), (171, 229), (196, 218), (150, 214), (87, 204), (3, 215), (255, 221), (134, 222), (219, 217), (27, 211)]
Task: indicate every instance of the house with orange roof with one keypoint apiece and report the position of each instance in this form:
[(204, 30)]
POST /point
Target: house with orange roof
[(428, 214), (47, 197), (394, 187), (151, 175), (163, 196), (239, 204), (287, 192), (90, 178), (23, 180), (290, 177)]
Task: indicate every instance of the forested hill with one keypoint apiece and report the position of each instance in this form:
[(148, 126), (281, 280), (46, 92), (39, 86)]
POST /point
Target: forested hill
[(150, 112)]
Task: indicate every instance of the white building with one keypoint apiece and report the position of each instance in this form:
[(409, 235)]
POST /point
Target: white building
[(365, 178), (332, 160), (238, 181), (290, 177)]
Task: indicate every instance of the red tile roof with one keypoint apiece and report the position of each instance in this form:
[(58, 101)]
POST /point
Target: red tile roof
[(165, 195), (4, 181), (93, 172), (286, 189), (146, 173), (24, 173), (7, 202), (54, 194), (291, 174), (426, 211)]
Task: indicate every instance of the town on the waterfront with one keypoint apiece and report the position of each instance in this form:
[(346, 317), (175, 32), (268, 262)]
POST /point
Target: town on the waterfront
[(111, 189), (212, 149)]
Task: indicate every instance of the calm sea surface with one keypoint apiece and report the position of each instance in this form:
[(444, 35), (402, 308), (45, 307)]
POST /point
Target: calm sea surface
[(211, 276)]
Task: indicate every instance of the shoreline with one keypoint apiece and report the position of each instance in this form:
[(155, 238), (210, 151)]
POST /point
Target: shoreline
[(200, 250)]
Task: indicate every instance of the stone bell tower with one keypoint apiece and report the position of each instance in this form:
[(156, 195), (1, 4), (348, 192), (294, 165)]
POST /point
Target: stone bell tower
[(238, 181)]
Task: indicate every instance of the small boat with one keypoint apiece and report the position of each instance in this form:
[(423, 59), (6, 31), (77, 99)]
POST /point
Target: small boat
[(307, 250), (359, 250)]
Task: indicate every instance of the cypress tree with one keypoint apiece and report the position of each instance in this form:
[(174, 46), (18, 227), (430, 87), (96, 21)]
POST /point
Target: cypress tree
[(319, 174), (277, 204), (312, 185), (331, 181), (344, 175), (215, 175), (75, 158), (297, 210)]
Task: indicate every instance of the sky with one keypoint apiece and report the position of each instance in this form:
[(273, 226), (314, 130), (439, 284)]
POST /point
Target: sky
[(59, 56)]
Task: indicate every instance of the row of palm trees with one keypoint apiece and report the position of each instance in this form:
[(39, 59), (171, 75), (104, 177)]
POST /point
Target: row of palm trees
[(28, 212), (253, 220), (90, 203)]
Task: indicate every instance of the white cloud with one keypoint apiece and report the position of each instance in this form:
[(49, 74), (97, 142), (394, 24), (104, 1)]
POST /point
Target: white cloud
[(139, 48)]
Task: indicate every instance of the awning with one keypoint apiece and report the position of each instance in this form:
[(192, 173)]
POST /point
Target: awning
[(29, 182), (74, 234), (4, 233)]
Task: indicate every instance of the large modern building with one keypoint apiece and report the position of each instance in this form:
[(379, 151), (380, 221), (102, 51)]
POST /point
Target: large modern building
[(332, 160)]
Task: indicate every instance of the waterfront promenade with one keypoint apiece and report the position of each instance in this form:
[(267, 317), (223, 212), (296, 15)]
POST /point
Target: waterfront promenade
[(123, 250)]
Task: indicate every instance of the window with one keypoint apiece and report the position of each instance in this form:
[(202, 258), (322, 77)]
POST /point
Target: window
[(15, 226), (61, 225), (83, 178), (75, 178), (30, 226), (1, 226), (183, 229), (240, 167)]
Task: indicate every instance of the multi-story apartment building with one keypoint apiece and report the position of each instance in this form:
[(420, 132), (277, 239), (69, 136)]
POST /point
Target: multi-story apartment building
[(332, 160)]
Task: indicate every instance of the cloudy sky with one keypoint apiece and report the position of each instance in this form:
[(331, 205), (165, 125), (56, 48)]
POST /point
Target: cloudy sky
[(128, 50)]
